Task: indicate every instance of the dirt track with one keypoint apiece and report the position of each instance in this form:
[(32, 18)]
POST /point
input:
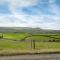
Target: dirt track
[(32, 57)]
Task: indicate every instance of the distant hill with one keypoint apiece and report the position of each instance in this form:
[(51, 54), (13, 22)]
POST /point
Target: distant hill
[(27, 30)]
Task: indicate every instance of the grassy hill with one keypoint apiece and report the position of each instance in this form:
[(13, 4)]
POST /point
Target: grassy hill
[(27, 30)]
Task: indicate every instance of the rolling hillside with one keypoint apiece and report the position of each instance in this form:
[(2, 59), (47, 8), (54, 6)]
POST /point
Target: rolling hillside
[(27, 30)]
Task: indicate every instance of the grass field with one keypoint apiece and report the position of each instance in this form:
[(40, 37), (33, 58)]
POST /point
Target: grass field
[(10, 46), (16, 36)]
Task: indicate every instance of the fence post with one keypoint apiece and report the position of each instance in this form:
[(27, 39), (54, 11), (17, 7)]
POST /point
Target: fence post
[(34, 44), (2, 35), (31, 44)]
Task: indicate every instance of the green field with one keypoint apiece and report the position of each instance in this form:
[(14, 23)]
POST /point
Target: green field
[(16, 36), (9, 46)]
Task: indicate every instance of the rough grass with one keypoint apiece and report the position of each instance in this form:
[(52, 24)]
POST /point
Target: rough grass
[(48, 45), (8, 44)]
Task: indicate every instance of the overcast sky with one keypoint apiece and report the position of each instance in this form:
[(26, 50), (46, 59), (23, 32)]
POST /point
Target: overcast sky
[(30, 13)]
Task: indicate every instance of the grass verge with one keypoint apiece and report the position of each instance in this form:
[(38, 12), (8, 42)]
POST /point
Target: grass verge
[(28, 52)]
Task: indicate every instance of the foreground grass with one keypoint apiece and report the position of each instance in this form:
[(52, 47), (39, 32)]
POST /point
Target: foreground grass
[(12, 52), (8, 47), (8, 44)]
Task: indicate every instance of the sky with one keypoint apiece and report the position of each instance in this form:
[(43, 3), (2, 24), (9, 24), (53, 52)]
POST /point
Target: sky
[(43, 14)]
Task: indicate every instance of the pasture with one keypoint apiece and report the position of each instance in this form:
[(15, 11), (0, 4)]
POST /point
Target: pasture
[(21, 42)]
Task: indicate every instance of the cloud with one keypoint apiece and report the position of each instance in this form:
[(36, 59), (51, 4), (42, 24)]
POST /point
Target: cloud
[(43, 21), (14, 4), (23, 3), (44, 14)]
